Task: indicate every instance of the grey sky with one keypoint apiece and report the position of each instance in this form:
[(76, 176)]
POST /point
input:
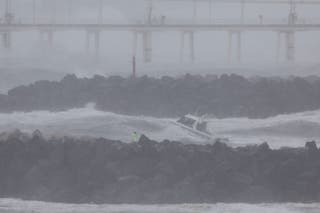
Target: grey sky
[(116, 47)]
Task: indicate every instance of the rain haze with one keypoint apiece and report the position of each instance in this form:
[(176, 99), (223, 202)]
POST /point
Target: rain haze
[(258, 48), (159, 106)]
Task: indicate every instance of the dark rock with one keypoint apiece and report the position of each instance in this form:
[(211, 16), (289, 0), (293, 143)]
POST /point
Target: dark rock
[(144, 140), (313, 154), (264, 147), (37, 135), (224, 96), (311, 146), (103, 171)]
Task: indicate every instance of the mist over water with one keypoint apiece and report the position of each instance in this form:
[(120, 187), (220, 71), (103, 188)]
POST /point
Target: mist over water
[(32, 58), (15, 206), (68, 55), (291, 130)]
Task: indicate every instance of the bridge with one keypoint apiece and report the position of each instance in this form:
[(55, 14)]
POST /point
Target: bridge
[(147, 26)]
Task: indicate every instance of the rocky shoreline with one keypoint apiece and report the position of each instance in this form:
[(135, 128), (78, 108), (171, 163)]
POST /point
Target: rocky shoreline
[(103, 171), (222, 96)]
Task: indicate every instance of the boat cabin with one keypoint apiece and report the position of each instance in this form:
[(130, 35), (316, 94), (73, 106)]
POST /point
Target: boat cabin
[(194, 122)]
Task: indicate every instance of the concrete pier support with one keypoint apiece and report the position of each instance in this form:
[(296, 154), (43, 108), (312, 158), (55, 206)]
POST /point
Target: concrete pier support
[(50, 37), (69, 11), (278, 47), (211, 12), (192, 51), (7, 6), (95, 48), (242, 11), (87, 42), (290, 46), (229, 47), (8, 19), (182, 39), (53, 12), (290, 35), (238, 35), (47, 36), (195, 11), (100, 12), (239, 47), (6, 40), (34, 7), (97, 44), (134, 44), (147, 46), (191, 46)]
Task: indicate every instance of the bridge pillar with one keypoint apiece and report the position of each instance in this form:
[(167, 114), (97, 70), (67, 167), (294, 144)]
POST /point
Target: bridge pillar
[(8, 19), (7, 40), (34, 7), (87, 42), (195, 11), (191, 46), (238, 35), (50, 38), (97, 44), (147, 46), (290, 35), (229, 47), (278, 47), (211, 19), (96, 40), (182, 39), (100, 12), (239, 47), (53, 12), (290, 46), (192, 51), (134, 44), (47, 36), (242, 11), (69, 11)]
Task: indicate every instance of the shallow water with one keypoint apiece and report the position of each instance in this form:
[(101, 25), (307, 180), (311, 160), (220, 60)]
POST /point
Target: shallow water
[(18, 206)]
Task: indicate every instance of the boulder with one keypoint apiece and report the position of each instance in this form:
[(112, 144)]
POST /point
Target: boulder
[(103, 171)]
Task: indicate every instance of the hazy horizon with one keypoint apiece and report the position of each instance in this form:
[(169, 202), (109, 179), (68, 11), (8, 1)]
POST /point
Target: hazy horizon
[(211, 48), (89, 116)]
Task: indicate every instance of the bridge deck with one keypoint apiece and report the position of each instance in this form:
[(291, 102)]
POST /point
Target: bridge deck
[(160, 27)]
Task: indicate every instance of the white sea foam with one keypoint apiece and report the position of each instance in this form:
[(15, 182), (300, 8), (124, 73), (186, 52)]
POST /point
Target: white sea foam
[(13, 206), (282, 130), (91, 122)]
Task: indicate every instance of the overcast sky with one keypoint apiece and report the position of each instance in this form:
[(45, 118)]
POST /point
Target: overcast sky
[(116, 47)]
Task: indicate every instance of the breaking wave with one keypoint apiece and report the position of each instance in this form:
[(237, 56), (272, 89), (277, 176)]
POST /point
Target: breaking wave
[(13, 206), (282, 130)]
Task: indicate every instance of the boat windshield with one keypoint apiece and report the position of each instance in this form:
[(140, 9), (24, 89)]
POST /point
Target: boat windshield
[(202, 126), (187, 121)]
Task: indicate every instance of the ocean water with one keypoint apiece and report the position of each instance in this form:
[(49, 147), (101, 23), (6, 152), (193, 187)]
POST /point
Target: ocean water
[(284, 130), (19, 206)]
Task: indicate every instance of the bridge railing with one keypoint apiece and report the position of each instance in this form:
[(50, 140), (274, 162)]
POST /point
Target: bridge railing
[(165, 21), (239, 21)]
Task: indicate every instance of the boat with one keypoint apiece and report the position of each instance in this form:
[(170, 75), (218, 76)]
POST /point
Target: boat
[(196, 125)]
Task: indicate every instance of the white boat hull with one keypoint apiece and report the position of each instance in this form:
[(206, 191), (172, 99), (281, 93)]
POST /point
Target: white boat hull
[(204, 135)]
